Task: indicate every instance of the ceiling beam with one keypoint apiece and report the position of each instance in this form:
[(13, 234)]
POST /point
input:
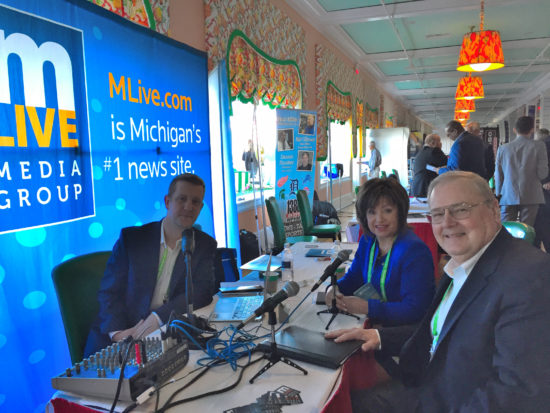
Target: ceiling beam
[(450, 50), (450, 90), (406, 9), (454, 74)]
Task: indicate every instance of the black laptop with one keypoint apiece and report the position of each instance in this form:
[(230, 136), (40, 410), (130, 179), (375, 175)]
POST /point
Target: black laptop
[(297, 343)]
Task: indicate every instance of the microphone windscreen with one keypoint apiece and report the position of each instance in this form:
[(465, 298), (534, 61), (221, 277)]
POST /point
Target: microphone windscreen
[(344, 255), (291, 288)]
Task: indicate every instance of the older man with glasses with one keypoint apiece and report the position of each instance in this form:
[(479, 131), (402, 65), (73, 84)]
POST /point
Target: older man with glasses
[(483, 344)]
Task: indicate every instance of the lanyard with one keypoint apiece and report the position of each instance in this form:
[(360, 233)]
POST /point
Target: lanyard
[(162, 262), (435, 332), (384, 270)]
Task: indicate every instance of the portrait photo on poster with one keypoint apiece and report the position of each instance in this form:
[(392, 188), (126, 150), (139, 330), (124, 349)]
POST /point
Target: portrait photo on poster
[(285, 139), (305, 160), (307, 124)]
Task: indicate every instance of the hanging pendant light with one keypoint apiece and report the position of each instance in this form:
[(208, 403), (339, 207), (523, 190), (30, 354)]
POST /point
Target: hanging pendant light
[(469, 88), (481, 50), (462, 116), (464, 105)]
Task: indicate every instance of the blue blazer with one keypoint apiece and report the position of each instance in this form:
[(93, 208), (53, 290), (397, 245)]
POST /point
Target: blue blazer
[(127, 287), (409, 281), (467, 154), (493, 353)]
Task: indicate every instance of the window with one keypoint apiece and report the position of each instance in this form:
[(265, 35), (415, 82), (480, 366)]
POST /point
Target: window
[(340, 147), (245, 166)]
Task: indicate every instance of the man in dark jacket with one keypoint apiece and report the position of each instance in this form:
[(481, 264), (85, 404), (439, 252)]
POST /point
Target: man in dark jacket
[(474, 128), (483, 343), (430, 156), (145, 278), (467, 152)]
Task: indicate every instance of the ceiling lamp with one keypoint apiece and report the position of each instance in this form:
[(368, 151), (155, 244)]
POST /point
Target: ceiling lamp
[(464, 105), (469, 88), (481, 50), (462, 116)]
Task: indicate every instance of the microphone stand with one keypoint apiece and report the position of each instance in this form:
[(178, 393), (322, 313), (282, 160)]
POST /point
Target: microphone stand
[(273, 356), (333, 309), (188, 284)]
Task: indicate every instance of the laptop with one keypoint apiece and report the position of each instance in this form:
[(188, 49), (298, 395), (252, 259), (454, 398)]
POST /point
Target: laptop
[(237, 308), (298, 343)]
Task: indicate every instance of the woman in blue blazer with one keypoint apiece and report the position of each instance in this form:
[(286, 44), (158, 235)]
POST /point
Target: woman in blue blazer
[(392, 265)]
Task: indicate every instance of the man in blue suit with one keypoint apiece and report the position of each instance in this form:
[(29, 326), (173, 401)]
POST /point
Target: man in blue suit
[(483, 343), (145, 278), (467, 152)]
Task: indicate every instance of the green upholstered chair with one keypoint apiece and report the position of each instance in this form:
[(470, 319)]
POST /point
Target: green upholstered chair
[(279, 235), (383, 174), (76, 283), (394, 171), (321, 231), (520, 230)]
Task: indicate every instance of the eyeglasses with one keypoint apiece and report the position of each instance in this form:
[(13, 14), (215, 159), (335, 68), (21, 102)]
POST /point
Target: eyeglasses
[(457, 211)]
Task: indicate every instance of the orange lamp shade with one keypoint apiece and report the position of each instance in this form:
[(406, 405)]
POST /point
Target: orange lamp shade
[(469, 88), (464, 105), (462, 116), (480, 51)]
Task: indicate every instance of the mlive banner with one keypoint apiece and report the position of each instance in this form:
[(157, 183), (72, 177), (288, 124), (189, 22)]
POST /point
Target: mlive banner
[(97, 115), (294, 163)]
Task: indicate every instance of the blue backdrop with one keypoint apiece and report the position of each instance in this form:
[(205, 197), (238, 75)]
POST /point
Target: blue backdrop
[(97, 115)]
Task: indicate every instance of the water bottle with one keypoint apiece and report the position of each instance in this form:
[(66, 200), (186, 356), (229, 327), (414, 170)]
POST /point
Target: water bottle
[(336, 248), (287, 264)]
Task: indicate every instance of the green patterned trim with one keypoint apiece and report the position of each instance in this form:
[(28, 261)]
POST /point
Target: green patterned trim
[(150, 15), (239, 33)]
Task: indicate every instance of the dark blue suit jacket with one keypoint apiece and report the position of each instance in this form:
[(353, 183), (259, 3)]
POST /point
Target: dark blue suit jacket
[(130, 278), (493, 353), (467, 154)]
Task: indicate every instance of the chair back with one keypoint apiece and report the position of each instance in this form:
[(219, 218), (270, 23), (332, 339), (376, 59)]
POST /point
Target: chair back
[(275, 217), (383, 174), (76, 283), (394, 172), (520, 230), (225, 267), (305, 211)]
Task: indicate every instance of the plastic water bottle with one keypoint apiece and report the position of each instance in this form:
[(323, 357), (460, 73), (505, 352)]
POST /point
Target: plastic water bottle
[(287, 264), (336, 248)]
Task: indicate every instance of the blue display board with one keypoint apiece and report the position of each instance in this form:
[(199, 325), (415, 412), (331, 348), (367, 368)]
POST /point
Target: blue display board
[(97, 115), (294, 163)]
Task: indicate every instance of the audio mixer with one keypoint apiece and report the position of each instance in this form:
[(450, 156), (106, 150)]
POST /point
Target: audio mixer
[(150, 361)]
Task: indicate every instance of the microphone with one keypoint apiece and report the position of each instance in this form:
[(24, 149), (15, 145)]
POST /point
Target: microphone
[(340, 258), (188, 241), (290, 289)]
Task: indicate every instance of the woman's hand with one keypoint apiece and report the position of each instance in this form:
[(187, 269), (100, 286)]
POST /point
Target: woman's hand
[(370, 337), (352, 304)]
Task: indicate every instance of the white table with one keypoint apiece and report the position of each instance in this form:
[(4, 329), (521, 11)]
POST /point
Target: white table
[(315, 387)]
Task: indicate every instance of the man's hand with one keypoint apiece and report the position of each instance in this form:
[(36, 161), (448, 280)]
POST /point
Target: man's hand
[(546, 186), (370, 337), (149, 325), (121, 335)]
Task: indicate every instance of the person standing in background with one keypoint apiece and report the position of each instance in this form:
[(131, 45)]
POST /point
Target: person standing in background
[(521, 166), (250, 160), (474, 128), (374, 161), (542, 223), (467, 152), (430, 155)]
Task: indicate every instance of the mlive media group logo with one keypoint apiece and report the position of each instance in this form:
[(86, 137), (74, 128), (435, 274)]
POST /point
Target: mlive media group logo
[(45, 163)]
